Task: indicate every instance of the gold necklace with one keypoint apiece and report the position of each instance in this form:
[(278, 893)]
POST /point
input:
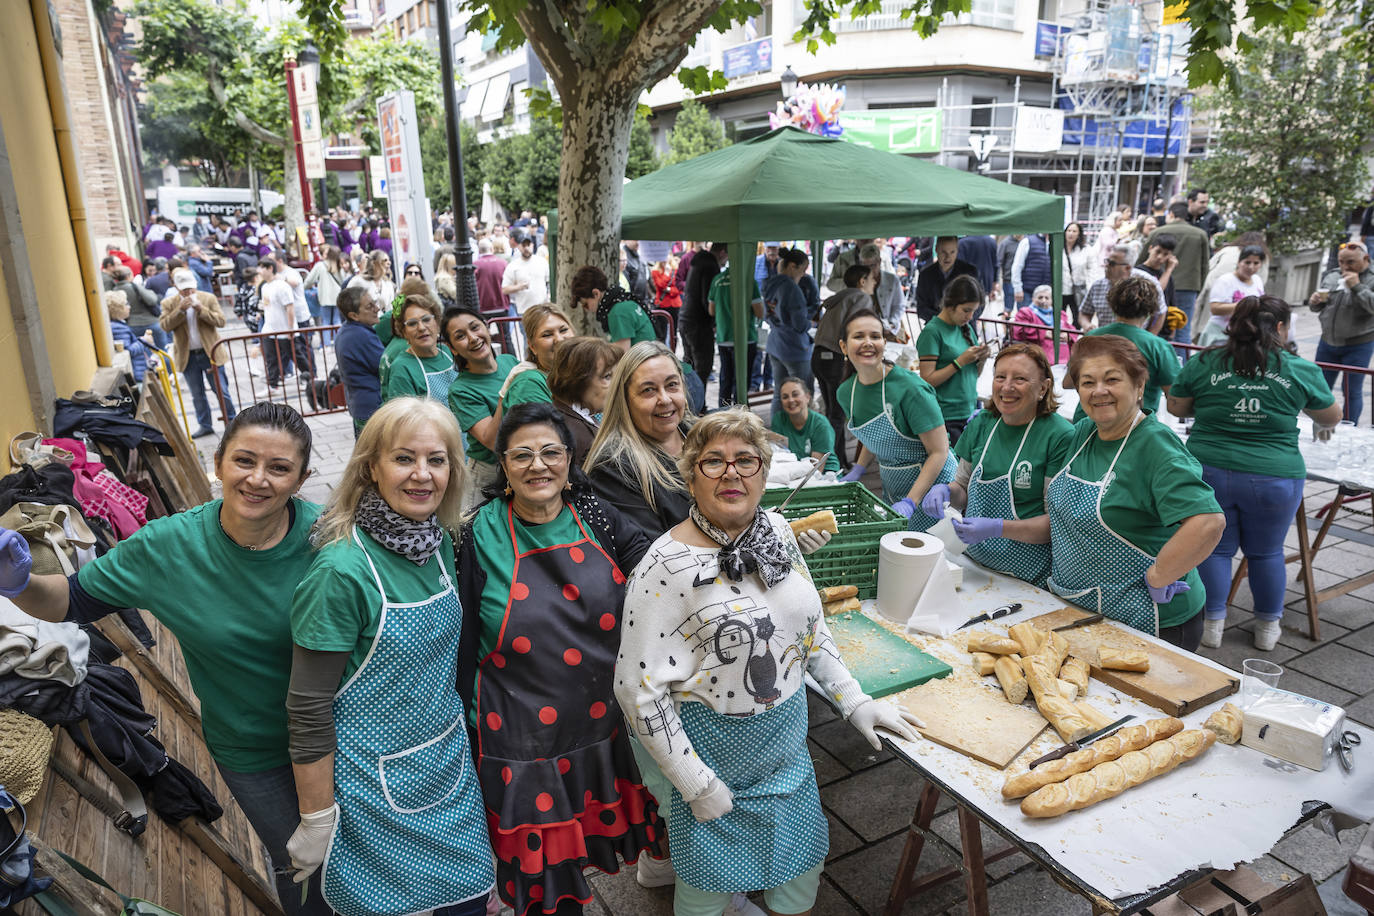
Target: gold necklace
[(286, 517)]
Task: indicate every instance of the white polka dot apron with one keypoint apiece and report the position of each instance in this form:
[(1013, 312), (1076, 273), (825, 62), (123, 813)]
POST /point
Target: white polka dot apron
[(899, 457), (1093, 566), (776, 831), (438, 383), (561, 785), (411, 834), (994, 498)]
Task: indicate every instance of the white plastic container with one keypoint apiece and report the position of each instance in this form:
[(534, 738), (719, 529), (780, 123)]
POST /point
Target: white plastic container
[(1293, 727)]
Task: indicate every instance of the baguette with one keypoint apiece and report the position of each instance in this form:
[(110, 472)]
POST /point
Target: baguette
[(823, 520), (836, 592), (1110, 779), (983, 662), (1075, 671), (1055, 649), (1067, 689), (1012, 680), (1133, 738), (991, 643), (1062, 714), (1227, 722), (1029, 637), (1123, 659), (1095, 718), (839, 606)]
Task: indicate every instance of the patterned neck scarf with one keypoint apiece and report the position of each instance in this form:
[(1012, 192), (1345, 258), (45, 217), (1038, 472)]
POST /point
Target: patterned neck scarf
[(758, 549), (416, 541)]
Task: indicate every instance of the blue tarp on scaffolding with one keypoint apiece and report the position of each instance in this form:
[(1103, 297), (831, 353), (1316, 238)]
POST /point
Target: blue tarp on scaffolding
[(1144, 134)]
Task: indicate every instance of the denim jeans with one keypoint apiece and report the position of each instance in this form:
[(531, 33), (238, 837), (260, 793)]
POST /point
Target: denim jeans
[(200, 374), (727, 372), (781, 370), (329, 314), (1185, 300), (1258, 510), (1357, 355), (268, 799)]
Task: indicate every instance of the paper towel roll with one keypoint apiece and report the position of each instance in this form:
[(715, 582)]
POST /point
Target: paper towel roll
[(906, 560)]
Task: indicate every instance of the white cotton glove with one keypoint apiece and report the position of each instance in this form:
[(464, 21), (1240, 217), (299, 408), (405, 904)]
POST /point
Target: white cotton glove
[(310, 842), (519, 368), (872, 715), (812, 540), (716, 800)]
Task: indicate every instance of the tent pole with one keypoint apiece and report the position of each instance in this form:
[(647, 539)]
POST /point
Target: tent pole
[(741, 313), (1057, 285)]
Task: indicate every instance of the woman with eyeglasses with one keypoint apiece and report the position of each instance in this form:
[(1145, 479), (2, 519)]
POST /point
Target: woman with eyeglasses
[(413, 270), (951, 356), (544, 567), (425, 368), (722, 623)]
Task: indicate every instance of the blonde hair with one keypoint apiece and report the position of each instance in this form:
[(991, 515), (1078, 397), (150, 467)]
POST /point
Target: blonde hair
[(620, 444), (372, 266), (116, 297), (735, 423), (393, 421), (533, 319), (446, 265)]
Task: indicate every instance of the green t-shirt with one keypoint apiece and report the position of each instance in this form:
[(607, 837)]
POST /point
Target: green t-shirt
[(408, 378), (395, 346), (958, 394), (473, 398), (1044, 453), (910, 402), (230, 609), (719, 294), (336, 607), (1156, 485), (629, 320), (1250, 424), (529, 387), (814, 436), (1158, 355)]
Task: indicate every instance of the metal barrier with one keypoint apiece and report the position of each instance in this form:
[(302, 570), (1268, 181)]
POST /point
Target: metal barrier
[(251, 362)]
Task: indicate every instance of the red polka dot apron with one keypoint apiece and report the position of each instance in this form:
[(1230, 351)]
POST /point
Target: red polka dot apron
[(994, 498), (557, 772), (410, 835)]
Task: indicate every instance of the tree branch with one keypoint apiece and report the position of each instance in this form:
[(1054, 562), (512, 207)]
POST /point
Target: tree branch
[(246, 124), (559, 51), (663, 39)]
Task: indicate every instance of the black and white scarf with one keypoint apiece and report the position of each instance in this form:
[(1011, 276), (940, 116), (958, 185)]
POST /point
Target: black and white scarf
[(416, 541), (758, 549)]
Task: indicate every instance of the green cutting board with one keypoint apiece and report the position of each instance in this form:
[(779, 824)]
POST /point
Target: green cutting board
[(881, 660)]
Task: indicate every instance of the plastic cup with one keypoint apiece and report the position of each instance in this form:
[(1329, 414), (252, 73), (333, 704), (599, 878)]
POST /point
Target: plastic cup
[(1256, 677)]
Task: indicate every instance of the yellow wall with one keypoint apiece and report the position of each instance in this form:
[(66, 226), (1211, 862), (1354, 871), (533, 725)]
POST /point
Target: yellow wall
[(28, 130)]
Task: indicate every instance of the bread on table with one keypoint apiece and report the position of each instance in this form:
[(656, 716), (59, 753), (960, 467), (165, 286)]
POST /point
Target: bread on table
[(983, 663), (1011, 678), (1131, 738), (837, 592), (1098, 719), (1061, 713), (839, 606), (1123, 659), (823, 520), (1055, 649), (1029, 637), (1067, 689), (1075, 671), (1107, 780), (1227, 722), (980, 641)]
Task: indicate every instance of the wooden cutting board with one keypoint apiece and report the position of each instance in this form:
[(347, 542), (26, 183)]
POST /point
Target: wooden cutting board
[(1177, 683), (882, 662), (973, 719)]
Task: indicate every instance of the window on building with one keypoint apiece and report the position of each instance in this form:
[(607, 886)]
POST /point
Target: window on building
[(993, 14), (981, 113), (1049, 10)]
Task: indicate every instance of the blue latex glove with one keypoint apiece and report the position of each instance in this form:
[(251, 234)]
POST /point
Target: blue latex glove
[(854, 474), (1167, 593), (935, 499), (977, 530), (15, 563), (905, 508)]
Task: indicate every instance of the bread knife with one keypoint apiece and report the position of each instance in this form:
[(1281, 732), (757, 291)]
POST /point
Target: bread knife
[(1081, 742), (1081, 622), (1002, 611), (797, 489)]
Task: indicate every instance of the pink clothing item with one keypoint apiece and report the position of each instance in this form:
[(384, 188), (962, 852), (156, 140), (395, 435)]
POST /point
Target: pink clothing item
[(101, 494), (1043, 335)]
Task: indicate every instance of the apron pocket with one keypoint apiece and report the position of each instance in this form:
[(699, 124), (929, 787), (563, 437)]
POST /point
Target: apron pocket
[(1093, 596), (423, 776)]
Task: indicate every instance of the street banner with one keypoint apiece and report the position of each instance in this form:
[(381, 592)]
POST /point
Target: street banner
[(895, 130), (411, 237), (1038, 130)]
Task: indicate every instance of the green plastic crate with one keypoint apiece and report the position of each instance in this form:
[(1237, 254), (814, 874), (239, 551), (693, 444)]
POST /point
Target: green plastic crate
[(851, 557)]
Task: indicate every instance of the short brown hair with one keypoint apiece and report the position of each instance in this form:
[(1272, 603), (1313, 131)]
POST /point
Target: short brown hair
[(732, 423), (575, 361), (1134, 297), (1049, 403), (1118, 349), (588, 280)]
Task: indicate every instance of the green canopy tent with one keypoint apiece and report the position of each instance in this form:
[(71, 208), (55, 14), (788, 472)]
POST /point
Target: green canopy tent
[(795, 185)]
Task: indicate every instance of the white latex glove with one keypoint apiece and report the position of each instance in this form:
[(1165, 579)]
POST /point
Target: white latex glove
[(519, 368), (872, 715), (812, 540), (310, 842), (716, 800)]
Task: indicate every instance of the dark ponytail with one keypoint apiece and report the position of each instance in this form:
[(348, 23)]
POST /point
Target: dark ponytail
[(1252, 334), (792, 256)]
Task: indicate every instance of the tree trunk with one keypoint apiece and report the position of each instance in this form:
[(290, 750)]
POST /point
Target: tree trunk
[(596, 146), (295, 203)]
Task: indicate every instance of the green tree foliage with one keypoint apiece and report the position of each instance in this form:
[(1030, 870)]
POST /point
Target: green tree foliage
[(1219, 25), (434, 161), (181, 126), (522, 169), (1287, 158), (643, 157), (695, 131)]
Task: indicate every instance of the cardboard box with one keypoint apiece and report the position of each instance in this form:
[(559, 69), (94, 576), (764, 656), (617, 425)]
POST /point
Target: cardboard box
[(1241, 892)]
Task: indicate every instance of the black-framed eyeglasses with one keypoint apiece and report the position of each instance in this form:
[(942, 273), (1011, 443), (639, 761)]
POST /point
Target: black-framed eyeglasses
[(552, 455), (744, 465)]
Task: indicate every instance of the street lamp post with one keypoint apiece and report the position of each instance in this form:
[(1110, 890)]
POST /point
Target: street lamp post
[(462, 254), (787, 82)]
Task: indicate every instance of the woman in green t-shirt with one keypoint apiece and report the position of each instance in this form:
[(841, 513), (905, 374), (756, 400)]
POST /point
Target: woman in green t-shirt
[(1128, 526), (1133, 302), (544, 326), (951, 356), (424, 368), (1006, 455), (624, 318), (475, 393), (389, 801), (807, 432), (1246, 395), (238, 559)]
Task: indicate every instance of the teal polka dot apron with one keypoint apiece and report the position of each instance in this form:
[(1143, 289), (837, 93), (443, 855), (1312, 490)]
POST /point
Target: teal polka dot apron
[(899, 457), (438, 383), (994, 498), (1093, 566), (412, 833), (776, 831)]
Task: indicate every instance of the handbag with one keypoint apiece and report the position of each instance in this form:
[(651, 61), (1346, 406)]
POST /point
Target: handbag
[(54, 534), (25, 746)]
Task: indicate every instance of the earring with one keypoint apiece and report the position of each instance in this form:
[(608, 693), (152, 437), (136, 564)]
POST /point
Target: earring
[(509, 491), (567, 487)]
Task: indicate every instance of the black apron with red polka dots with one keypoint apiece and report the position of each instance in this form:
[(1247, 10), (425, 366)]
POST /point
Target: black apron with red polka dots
[(560, 782)]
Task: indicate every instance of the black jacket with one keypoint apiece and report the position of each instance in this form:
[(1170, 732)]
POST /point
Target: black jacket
[(617, 485), (931, 283)]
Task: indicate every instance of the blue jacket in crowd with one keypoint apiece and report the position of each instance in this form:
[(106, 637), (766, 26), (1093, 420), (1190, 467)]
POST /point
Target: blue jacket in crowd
[(359, 352), (788, 320)]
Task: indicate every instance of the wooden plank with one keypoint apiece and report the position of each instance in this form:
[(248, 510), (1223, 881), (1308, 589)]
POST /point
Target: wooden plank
[(85, 896), (213, 845), (974, 720), (1177, 682)]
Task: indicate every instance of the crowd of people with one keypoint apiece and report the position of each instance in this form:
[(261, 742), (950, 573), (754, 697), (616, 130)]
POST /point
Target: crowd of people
[(544, 623)]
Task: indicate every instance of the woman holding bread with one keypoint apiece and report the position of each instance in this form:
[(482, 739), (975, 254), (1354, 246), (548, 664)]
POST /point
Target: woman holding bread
[(895, 415), (1128, 525), (721, 623), (1006, 455)]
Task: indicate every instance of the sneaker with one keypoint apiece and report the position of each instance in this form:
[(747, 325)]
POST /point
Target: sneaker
[(207, 431), (740, 906), (1267, 634), (653, 872), (1211, 632)]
